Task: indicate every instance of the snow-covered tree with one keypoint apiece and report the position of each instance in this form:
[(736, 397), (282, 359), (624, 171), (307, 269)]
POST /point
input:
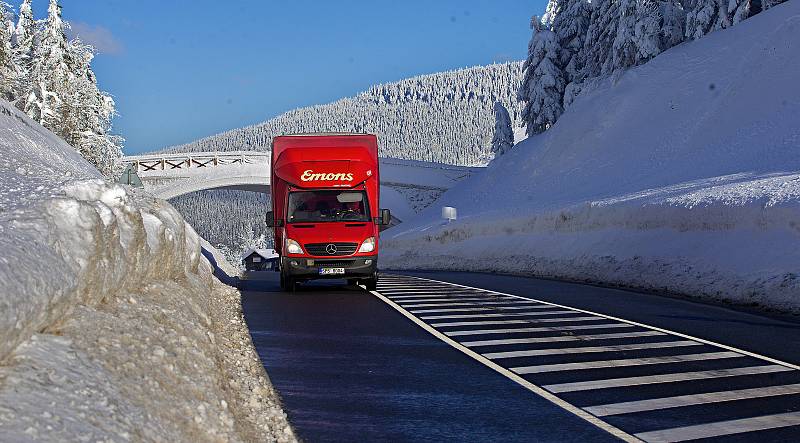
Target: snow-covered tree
[(445, 117), (645, 29), (543, 83), (600, 36), (61, 91), (711, 15), (766, 4), (503, 139), (551, 11), (50, 73), (24, 43), (86, 124), (9, 72), (570, 26)]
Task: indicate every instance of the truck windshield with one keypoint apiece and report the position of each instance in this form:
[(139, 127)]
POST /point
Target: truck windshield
[(327, 206)]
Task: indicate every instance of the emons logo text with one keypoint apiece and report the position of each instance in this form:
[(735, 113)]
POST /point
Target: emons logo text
[(310, 176)]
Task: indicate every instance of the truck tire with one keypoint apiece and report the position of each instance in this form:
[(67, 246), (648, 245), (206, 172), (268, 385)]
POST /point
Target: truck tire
[(291, 284), (371, 283)]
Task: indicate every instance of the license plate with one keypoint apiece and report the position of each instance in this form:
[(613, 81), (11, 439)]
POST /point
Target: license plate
[(331, 271)]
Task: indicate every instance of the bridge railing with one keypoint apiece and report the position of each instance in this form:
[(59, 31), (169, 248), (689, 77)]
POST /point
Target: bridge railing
[(167, 162)]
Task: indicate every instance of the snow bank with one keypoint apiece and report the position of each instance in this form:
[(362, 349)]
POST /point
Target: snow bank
[(681, 175), (111, 324)]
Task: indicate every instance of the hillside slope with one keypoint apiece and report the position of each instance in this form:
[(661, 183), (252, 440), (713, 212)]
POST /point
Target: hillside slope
[(446, 117), (680, 175)]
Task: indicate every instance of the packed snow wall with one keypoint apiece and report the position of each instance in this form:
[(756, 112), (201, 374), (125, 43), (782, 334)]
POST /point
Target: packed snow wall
[(681, 175), (112, 326)]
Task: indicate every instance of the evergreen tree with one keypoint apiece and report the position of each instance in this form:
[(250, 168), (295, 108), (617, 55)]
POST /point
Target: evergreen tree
[(711, 15), (551, 11), (24, 47), (570, 26), (86, 124), (9, 72), (766, 4), (503, 139), (543, 83), (50, 73), (645, 29), (600, 36)]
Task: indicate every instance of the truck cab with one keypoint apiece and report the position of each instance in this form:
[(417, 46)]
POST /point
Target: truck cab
[(325, 207)]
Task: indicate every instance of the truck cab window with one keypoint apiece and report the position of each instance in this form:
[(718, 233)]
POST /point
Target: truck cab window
[(327, 206)]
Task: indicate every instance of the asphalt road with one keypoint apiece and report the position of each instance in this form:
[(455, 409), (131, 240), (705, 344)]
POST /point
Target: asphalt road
[(353, 366)]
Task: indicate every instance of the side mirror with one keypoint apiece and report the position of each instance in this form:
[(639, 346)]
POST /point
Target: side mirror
[(271, 222), (386, 217)]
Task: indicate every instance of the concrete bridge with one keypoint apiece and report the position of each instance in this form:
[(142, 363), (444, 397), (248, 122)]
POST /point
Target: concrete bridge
[(171, 175)]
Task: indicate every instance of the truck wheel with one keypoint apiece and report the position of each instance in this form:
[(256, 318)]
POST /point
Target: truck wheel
[(291, 284), (371, 283)]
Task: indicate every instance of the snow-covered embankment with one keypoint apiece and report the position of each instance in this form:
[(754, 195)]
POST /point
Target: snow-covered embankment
[(681, 175), (111, 324)]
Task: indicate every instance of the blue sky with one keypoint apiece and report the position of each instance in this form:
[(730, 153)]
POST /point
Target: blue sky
[(183, 69)]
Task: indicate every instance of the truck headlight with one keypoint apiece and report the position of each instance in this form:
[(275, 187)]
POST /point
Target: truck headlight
[(292, 247), (368, 245)]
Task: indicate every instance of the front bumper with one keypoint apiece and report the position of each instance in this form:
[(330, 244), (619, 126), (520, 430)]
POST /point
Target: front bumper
[(308, 268)]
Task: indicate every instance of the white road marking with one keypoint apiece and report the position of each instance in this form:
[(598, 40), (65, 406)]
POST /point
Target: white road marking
[(422, 297), (428, 298), (454, 299), (509, 314), (629, 407), (722, 428), (404, 288), (610, 317), (393, 294), (622, 435), (489, 309), (561, 338), (511, 322), (555, 329), (626, 362), (664, 378), (454, 303), (590, 349)]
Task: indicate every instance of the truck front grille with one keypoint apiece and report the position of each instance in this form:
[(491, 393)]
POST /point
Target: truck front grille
[(323, 250)]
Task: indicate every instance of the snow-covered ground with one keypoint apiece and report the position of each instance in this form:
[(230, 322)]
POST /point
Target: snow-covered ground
[(112, 327), (681, 175)]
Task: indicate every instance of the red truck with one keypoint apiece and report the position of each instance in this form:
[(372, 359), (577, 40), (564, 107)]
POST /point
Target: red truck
[(325, 207)]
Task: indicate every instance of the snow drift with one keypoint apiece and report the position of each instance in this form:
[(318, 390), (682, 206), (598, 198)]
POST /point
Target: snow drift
[(111, 324), (680, 175)]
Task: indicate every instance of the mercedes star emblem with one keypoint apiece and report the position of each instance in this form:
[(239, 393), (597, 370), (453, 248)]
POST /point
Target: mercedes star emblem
[(330, 249)]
